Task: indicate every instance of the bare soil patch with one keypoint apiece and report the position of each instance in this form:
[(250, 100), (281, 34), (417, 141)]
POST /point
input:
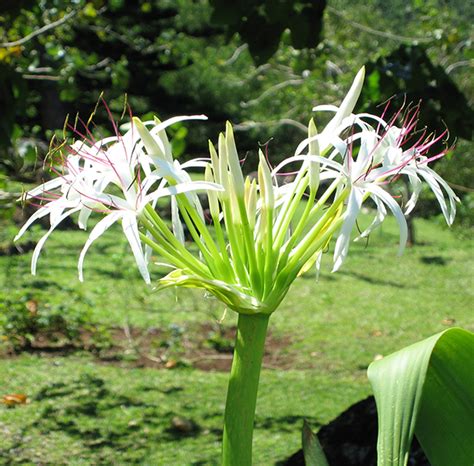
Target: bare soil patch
[(208, 347)]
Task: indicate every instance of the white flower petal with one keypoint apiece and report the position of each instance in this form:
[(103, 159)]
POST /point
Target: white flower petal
[(326, 108), (43, 239), (308, 158), (201, 162), (110, 200), (84, 215), (379, 218), (155, 139), (416, 184), (148, 250), (435, 182), (379, 120), (97, 231), (48, 186), (153, 144), (317, 264), (40, 213), (324, 139), (364, 160), (341, 249), (130, 228), (56, 208), (165, 169), (348, 104), (397, 212), (171, 121), (176, 221), (102, 144), (183, 188), (150, 180)]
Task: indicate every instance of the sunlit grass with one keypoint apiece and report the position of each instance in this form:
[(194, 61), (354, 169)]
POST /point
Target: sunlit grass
[(377, 303)]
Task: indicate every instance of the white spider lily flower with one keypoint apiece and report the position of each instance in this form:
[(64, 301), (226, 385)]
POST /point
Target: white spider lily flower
[(258, 235), (86, 172), (366, 153), (92, 177), (380, 160)]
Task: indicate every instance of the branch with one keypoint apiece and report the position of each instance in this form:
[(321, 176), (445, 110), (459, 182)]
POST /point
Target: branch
[(247, 125), (272, 90), (260, 70), (100, 64), (42, 69), (41, 77), (376, 32), (142, 49), (236, 54), (458, 64), (39, 31)]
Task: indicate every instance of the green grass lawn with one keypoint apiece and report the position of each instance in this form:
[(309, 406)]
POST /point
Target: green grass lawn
[(83, 411)]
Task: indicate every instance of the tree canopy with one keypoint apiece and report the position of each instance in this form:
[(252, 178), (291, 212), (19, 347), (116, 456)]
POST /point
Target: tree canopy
[(263, 65)]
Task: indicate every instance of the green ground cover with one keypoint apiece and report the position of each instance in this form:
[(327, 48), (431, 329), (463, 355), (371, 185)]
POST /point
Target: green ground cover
[(83, 411)]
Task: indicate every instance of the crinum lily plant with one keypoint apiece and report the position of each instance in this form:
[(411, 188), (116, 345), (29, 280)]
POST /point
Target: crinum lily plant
[(260, 234)]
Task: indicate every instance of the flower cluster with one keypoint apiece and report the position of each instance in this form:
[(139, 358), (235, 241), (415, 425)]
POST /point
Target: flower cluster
[(260, 234), (114, 177)]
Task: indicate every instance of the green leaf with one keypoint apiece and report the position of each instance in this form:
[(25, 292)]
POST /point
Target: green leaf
[(445, 425), (427, 389), (90, 11), (312, 450)]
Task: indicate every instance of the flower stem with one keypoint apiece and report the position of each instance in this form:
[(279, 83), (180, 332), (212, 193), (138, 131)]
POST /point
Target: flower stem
[(242, 391)]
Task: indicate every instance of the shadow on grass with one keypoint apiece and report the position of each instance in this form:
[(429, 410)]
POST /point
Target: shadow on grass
[(286, 423), (102, 420), (374, 281), (434, 260)]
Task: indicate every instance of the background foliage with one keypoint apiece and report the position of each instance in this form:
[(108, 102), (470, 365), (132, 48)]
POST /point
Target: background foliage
[(260, 64)]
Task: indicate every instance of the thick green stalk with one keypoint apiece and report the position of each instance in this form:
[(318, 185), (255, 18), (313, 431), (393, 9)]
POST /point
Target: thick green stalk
[(242, 390)]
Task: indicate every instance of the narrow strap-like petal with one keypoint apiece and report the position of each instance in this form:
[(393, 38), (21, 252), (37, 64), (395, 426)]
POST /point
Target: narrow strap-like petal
[(341, 249), (178, 229), (40, 213), (397, 212), (43, 239), (130, 228), (379, 218), (97, 231), (435, 182), (48, 186)]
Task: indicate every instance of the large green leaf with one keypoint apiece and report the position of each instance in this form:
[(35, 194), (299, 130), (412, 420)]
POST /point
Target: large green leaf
[(427, 389)]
